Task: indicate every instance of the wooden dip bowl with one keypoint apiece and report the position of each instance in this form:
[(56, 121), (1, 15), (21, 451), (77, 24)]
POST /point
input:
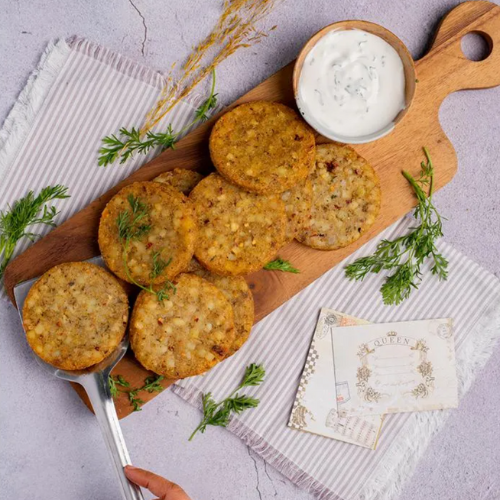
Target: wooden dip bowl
[(391, 39)]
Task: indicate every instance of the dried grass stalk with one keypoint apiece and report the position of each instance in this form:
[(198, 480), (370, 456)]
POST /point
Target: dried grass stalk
[(235, 29)]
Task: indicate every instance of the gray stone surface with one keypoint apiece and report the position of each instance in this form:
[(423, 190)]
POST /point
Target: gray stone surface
[(50, 446)]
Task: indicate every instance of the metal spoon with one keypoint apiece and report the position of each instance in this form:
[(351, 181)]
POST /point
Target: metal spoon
[(95, 382)]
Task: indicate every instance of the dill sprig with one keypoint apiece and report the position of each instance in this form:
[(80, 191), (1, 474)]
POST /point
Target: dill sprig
[(280, 264), (135, 401), (112, 387), (132, 225), (235, 29), (151, 384), (158, 265), (406, 254), (219, 414), (24, 213), (114, 382), (136, 141)]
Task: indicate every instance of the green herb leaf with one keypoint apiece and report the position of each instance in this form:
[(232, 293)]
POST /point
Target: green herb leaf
[(132, 225), (166, 139), (24, 213), (110, 150), (163, 293), (280, 264), (158, 265), (133, 141), (135, 401), (254, 375), (114, 382), (241, 403), (219, 414), (112, 387), (151, 384), (406, 255), (121, 381), (201, 112), (220, 418)]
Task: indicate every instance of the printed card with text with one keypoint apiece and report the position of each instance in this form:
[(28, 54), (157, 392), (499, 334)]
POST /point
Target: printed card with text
[(396, 367), (315, 406)]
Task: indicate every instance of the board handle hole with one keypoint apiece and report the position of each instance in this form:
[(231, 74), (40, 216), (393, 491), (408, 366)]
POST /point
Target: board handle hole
[(476, 46)]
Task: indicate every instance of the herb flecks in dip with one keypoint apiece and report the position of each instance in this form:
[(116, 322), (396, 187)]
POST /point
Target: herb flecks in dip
[(352, 84)]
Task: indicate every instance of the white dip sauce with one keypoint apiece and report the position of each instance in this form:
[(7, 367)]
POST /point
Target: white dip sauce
[(352, 83)]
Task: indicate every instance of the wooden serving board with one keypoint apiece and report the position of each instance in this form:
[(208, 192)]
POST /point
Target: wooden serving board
[(442, 71)]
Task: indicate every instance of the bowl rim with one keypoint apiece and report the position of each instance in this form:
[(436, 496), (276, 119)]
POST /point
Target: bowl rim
[(375, 29)]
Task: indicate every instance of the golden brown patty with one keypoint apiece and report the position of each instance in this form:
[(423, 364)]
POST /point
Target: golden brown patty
[(236, 291), (181, 179), (239, 231), (75, 315), (346, 198), (170, 232), (185, 335), (263, 147), (298, 203)]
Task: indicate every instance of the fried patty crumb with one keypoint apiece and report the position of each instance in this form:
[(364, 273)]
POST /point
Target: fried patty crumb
[(298, 203), (239, 231), (75, 315), (170, 233), (185, 335), (346, 198), (181, 179), (262, 147), (236, 291)]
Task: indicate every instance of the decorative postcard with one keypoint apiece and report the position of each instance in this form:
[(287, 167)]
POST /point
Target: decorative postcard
[(315, 406), (396, 367)]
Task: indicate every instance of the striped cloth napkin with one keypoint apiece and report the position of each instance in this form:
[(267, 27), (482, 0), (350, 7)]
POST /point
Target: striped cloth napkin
[(332, 469), (81, 92)]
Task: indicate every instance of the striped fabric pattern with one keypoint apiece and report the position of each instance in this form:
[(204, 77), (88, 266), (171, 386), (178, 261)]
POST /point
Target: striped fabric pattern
[(95, 92), (333, 469)]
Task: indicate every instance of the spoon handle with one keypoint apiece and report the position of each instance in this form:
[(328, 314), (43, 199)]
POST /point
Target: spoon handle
[(97, 389)]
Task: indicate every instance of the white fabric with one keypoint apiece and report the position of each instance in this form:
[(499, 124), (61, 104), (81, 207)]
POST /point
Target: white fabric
[(333, 469), (82, 92)]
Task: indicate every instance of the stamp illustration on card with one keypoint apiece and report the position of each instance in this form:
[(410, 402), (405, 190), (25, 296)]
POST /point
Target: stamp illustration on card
[(315, 406), (407, 366), (422, 388)]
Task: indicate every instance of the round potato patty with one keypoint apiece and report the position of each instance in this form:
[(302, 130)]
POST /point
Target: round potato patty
[(185, 335), (346, 198), (236, 291), (75, 315), (181, 179), (239, 231), (262, 147), (162, 236), (298, 203)]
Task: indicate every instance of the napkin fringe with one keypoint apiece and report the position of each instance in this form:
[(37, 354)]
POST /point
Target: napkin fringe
[(21, 117), (270, 454), (118, 62), (280, 462), (130, 68), (389, 477)]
